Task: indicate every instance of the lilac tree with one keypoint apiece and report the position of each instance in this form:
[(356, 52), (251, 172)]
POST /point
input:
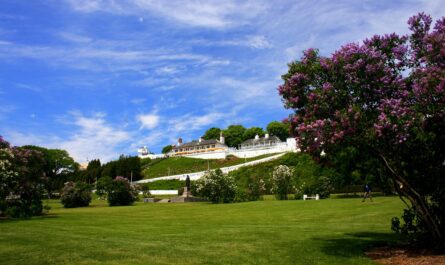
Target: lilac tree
[(384, 96), (21, 181)]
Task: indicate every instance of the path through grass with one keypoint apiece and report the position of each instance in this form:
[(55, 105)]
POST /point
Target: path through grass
[(332, 231)]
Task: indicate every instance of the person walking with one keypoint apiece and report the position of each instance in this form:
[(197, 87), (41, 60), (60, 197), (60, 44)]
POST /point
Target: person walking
[(367, 194)]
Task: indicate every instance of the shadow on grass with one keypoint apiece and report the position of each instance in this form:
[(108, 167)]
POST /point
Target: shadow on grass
[(355, 244), (34, 218)]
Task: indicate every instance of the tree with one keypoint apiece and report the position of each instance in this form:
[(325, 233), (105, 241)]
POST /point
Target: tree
[(216, 187), (76, 195), (103, 185), (121, 192), (279, 129), (384, 97), (282, 181), (126, 166), (21, 179), (234, 135), (212, 133), (94, 170), (252, 132), (58, 166), (166, 149)]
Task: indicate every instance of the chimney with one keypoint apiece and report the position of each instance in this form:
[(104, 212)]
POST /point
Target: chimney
[(221, 138), (257, 137), (179, 141), (266, 136), (200, 139)]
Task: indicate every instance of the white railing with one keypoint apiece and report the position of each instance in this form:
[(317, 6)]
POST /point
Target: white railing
[(197, 175)]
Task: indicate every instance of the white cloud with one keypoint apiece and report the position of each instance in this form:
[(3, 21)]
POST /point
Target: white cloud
[(252, 41), (210, 14), (167, 70), (188, 122), (95, 138), (75, 37), (148, 121), (138, 101), (92, 138)]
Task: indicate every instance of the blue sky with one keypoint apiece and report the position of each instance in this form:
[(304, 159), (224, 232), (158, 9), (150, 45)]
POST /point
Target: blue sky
[(100, 78)]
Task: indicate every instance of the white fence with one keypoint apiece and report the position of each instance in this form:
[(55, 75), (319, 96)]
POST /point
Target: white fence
[(163, 192), (197, 175)]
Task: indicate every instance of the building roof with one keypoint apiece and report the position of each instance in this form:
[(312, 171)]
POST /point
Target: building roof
[(197, 143), (261, 140)]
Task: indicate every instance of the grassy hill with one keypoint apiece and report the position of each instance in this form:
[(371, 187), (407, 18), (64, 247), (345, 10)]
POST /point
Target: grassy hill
[(331, 231), (181, 165)]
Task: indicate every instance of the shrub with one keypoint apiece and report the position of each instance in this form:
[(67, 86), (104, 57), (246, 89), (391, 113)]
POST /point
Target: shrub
[(216, 187), (121, 192), (21, 181), (76, 195), (282, 184), (145, 189), (103, 185)]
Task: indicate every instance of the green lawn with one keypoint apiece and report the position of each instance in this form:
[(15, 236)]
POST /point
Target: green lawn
[(182, 165), (331, 231)]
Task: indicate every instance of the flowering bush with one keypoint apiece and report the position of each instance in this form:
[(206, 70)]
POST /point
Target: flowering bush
[(386, 98), (216, 187), (21, 181), (121, 192), (76, 195), (282, 181)]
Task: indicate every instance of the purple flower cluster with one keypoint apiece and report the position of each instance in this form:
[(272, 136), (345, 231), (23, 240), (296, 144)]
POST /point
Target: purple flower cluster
[(378, 90)]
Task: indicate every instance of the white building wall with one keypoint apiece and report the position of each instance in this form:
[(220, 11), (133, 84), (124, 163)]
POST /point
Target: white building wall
[(289, 146)]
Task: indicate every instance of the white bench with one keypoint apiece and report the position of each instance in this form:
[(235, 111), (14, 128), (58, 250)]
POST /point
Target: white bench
[(316, 197)]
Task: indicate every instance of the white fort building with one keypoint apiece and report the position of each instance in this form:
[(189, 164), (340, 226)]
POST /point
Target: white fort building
[(217, 149)]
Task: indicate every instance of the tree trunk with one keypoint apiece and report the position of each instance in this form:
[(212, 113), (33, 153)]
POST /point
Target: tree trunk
[(418, 202)]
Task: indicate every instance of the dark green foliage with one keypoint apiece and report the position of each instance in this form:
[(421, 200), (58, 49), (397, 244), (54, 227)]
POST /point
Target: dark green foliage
[(58, 166), (234, 135), (167, 149), (212, 133), (311, 178), (172, 184), (145, 162), (252, 132), (412, 227), (93, 171), (278, 129), (145, 189), (125, 166), (121, 193), (308, 178), (103, 185), (76, 195)]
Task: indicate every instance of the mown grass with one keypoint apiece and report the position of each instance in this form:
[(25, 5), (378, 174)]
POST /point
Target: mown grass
[(331, 231), (182, 165)]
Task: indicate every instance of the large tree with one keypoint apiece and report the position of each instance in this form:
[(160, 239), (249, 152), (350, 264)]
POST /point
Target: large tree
[(59, 166), (279, 129), (21, 179), (212, 133), (252, 132), (93, 171), (384, 97), (166, 149), (234, 135)]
